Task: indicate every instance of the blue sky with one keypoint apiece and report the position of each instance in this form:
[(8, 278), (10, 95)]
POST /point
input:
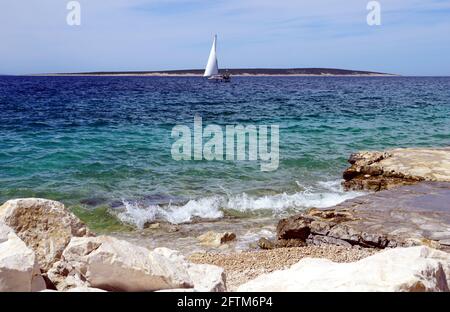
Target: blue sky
[(117, 35)]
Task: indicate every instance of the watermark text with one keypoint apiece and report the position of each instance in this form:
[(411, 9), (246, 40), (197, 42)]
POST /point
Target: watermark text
[(232, 142)]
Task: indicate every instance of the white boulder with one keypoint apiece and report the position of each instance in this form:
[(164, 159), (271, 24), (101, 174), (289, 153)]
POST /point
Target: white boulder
[(177, 290), (45, 226), (111, 264), (65, 276), (19, 269), (85, 289), (402, 269), (205, 277)]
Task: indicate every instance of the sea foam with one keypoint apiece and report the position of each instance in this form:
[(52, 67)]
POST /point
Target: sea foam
[(326, 194)]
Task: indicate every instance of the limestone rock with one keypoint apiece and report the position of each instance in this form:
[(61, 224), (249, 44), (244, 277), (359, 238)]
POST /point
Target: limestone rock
[(177, 290), (400, 269), (267, 244), (115, 265), (404, 166), (48, 290), (65, 276), (19, 270), (85, 289), (405, 216), (322, 239), (297, 227), (214, 239), (205, 277), (45, 226)]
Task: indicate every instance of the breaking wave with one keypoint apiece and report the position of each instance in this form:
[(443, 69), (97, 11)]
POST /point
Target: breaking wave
[(326, 194)]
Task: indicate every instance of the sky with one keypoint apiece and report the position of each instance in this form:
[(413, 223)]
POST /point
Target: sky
[(139, 35)]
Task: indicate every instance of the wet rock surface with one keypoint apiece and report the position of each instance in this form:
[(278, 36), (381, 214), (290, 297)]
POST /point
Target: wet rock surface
[(185, 239), (406, 216), (215, 239), (378, 171)]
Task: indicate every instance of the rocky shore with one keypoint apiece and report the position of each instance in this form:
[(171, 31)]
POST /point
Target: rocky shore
[(410, 206), (45, 247), (407, 216), (395, 239), (376, 171)]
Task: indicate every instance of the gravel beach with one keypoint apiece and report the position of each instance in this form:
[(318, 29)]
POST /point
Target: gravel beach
[(241, 267)]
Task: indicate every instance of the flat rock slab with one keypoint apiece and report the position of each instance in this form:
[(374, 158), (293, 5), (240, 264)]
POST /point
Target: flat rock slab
[(383, 170), (405, 216)]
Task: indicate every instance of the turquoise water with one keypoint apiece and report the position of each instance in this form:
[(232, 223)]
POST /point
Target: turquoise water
[(106, 141)]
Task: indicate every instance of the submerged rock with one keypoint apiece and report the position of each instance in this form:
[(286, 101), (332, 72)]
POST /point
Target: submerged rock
[(399, 269), (214, 239), (45, 226), (377, 171), (19, 269), (405, 216), (163, 226)]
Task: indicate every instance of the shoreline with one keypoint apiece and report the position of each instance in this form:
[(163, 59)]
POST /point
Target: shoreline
[(201, 76), (384, 219), (405, 209), (236, 72), (403, 225)]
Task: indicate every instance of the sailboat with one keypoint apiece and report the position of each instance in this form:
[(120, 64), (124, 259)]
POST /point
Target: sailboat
[(212, 67)]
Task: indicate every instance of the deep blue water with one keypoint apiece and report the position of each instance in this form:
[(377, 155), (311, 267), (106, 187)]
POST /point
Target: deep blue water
[(98, 141)]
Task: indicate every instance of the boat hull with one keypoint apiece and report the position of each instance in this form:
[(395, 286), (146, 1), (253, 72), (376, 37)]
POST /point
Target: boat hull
[(219, 78)]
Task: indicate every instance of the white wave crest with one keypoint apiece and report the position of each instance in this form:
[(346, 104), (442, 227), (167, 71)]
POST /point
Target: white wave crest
[(133, 214), (328, 194), (281, 202), (205, 208)]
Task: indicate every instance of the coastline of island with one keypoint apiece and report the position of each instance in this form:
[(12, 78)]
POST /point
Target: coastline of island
[(237, 72)]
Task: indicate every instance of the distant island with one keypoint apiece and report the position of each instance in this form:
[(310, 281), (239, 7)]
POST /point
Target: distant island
[(235, 72)]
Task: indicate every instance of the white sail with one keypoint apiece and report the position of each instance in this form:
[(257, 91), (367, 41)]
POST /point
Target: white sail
[(212, 67)]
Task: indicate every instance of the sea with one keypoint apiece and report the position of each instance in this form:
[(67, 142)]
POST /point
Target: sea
[(102, 145)]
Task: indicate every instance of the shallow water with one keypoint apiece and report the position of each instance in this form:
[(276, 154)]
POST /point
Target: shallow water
[(106, 141), (185, 238)]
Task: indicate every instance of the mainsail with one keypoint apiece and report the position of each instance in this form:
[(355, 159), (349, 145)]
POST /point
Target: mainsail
[(212, 68)]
